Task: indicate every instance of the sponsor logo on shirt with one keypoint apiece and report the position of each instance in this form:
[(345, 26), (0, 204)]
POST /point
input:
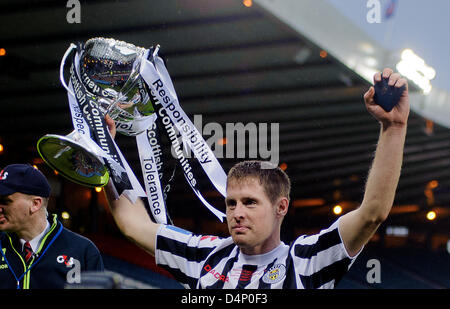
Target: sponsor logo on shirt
[(68, 261), (215, 273)]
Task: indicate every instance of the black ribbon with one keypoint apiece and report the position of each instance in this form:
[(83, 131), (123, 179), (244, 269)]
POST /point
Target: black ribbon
[(98, 128)]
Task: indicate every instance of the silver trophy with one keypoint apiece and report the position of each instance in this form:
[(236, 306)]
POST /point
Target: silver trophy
[(110, 69), (104, 79)]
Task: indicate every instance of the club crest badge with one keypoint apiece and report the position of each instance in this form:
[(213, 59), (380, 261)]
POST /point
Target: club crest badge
[(274, 274)]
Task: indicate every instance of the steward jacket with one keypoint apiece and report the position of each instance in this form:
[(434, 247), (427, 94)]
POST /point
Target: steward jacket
[(61, 257)]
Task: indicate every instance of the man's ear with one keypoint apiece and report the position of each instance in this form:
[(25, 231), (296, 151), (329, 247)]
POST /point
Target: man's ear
[(282, 206), (37, 203)]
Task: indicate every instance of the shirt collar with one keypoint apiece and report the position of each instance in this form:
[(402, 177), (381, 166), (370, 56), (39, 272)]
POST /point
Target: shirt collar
[(35, 242), (265, 258)]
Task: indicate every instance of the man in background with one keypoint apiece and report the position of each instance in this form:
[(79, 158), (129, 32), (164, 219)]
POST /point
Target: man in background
[(37, 252)]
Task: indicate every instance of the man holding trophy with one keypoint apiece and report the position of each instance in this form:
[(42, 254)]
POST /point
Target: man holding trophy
[(132, 87)]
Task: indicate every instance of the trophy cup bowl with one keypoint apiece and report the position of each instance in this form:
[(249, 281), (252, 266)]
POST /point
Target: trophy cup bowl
[(113, 66)]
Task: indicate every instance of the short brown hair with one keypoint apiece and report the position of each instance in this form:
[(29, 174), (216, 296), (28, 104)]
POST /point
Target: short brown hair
[(274, 180)]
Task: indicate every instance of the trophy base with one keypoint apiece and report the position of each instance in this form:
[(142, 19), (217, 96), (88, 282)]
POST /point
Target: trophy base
[(73, 160)]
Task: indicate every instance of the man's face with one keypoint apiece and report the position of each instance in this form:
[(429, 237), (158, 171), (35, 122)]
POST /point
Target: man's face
[(252, 219), (14, 211)]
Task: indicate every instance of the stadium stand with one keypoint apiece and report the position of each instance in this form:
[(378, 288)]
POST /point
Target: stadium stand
[(401, 268)]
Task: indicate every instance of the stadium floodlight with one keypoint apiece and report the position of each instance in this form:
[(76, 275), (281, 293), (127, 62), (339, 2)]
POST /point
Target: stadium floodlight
[(415, 69)]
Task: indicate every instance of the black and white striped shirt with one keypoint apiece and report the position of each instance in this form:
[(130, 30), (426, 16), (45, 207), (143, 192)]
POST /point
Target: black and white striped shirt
[(199, 262)]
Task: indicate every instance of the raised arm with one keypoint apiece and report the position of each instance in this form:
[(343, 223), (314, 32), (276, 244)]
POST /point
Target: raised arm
[(132, 219), (358, 226)]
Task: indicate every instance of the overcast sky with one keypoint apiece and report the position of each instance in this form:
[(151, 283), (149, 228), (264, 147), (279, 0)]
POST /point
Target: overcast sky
[(423, 26)]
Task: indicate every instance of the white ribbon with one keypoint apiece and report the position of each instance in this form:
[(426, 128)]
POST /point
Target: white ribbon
[(158, 79), (150, 174), (82, 128)]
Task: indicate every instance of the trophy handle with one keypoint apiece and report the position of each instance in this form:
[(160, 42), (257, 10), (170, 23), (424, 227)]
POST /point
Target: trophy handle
[(73, 159), (62, 65)]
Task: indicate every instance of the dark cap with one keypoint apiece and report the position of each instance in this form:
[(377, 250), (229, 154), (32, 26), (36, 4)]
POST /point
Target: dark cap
[(25, 179)]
